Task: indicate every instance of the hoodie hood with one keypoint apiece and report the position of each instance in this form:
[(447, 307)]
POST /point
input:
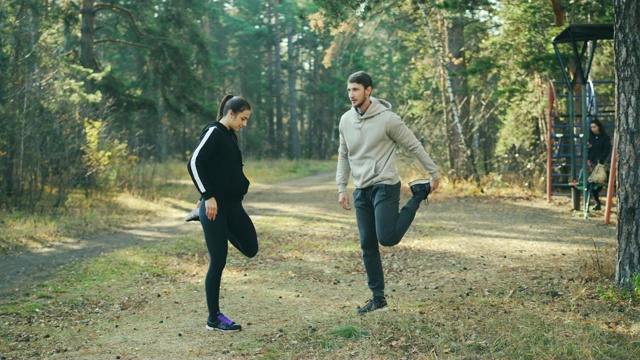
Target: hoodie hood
[(377, 106), (368, 148)]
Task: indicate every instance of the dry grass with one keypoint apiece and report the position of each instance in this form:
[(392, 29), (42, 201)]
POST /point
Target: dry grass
[(153, 191), (481, 277)]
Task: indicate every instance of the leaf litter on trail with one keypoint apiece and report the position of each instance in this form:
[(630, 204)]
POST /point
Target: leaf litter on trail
[(460, 293)]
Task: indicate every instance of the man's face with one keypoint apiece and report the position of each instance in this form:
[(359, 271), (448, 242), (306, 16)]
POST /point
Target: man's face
[(358, 94)]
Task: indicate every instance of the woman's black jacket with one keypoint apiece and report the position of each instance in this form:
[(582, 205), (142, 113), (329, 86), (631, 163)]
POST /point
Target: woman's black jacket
[(216, 165), (600, 148)]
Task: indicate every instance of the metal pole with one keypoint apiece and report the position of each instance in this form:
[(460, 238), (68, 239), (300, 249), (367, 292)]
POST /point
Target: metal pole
[(585, 149), (575, 194), (551, 96), (612, 182)]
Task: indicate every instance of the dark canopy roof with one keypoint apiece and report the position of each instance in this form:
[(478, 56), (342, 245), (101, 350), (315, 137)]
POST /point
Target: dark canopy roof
[(584, 32)]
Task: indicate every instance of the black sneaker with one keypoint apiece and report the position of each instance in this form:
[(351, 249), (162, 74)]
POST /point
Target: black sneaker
[(375, 304), (222, 323), (420, 188), (194, 215)]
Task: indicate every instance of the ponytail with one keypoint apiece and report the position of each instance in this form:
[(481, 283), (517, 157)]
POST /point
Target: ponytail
[(233, 103)]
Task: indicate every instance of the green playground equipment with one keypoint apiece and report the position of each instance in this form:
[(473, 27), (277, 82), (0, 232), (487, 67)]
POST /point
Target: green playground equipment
[(570, 111)]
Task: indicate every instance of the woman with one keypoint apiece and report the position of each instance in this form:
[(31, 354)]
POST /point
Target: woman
[(216, 170), (599, 148)]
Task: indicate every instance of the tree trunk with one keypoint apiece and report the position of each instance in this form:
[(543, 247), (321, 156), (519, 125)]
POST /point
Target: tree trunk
[(457, 119), (303, 58), (294, 136), (87, 31), (558, 12), (278, 145), (456, 65), (627, 58), (447, 121), (269, 110), (392, 95)]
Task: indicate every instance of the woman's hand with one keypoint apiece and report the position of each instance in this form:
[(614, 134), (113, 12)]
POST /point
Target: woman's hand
[(211, 205)]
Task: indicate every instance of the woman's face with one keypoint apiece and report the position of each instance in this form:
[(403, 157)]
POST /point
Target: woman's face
[(239, 120), (594, 128)]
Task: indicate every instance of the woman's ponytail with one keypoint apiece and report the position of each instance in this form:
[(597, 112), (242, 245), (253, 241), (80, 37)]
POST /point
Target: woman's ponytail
[(234, 103), (221, 112)]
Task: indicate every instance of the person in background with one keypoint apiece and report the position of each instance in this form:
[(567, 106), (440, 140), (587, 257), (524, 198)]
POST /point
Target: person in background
[(216, 170), (599, 150), (370, 133)]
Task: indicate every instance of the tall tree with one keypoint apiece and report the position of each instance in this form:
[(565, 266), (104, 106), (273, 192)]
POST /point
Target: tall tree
[(87, 34), (456, 66), (627, 59), (277, 78), (294, 136)]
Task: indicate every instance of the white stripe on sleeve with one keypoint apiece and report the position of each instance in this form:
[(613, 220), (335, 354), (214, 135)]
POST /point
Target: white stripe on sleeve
[(194, 170)]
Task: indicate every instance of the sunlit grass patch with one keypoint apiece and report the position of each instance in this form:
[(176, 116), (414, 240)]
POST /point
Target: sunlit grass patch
[(153, 189), (23, 231), (491, 184), (20, 309), (272, 171), (599, 263)]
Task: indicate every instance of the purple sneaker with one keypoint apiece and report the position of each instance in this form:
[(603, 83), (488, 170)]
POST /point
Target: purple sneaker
[(222, 323)]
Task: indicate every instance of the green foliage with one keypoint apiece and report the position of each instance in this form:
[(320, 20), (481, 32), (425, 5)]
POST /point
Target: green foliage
[(20, 310), (104, 158), (350, 332), (340, 10), (162, 67), (616, 295)]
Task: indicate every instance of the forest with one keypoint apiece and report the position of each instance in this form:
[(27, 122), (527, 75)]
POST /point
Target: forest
[(103, 102), (89, 90)]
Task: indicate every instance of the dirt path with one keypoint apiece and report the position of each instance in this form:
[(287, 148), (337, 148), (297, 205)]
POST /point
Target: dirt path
[(474, 277), (19, 270), (24, 269), (548, 229)]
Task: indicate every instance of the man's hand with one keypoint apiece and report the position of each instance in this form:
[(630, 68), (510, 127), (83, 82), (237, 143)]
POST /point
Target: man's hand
[(435, 184), (343, 199)]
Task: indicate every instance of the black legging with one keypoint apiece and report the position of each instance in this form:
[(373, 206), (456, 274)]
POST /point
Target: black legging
[(233, 224)]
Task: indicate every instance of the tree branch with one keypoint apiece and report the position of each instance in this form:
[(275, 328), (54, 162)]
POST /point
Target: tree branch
[(122, 42), (116, 8)]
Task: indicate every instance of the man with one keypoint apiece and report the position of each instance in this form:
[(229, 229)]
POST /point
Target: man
[(369, 135)]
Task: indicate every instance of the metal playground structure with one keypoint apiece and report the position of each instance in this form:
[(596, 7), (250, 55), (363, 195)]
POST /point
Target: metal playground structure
[(572, 104)]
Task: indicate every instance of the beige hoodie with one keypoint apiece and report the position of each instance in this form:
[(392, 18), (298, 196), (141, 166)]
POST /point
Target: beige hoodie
[(368, 147)]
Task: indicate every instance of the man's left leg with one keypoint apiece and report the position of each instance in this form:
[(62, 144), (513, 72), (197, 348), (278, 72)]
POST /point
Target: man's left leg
[(391, 225)]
